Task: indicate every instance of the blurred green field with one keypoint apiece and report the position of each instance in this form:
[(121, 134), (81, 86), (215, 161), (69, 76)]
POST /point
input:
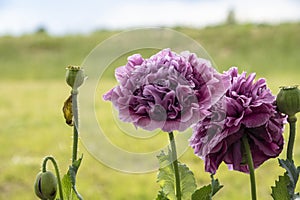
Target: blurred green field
[(33, 90)]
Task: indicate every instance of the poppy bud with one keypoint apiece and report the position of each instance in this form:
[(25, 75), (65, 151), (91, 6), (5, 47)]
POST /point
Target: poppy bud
[(288, 100), (75, 76), (45, 185)]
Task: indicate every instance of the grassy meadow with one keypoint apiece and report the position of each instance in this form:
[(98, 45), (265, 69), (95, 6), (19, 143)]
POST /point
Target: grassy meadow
[(33, 89)]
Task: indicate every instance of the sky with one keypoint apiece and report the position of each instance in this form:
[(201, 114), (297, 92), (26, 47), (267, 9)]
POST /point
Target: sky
[(83, 16)]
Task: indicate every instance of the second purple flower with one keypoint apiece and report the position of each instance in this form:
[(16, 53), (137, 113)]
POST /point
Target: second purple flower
[(168, 91), (247, 110)]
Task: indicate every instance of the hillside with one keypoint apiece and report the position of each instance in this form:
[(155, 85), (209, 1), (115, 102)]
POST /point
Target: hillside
[(264, 49)]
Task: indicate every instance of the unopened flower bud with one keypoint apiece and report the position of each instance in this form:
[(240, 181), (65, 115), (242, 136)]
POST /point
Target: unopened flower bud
[(75, 76), (45, 185), (288, 100)]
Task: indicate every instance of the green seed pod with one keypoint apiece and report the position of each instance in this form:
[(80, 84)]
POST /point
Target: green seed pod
[(288, 100), (75, 76), (45, 185)]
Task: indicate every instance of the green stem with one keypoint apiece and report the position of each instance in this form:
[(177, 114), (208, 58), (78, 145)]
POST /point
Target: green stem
[(292, 122), (74, 94), (75, 130), (251, 166), (175, 165), (44, 169)]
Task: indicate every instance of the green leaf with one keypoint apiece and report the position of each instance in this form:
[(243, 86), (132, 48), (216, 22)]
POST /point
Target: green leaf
[(68, 189), (161, 196), (208, 191), (280, 190), (292, 172), (76, 163), (74, 168), (69, 182), (166, 178), (215, 185), (203, 193), (188, 183), (66, 186)]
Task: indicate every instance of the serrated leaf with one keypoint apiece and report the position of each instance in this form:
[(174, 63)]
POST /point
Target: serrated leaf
[(161, 196), (73, 171), (76, 163), (67, 188), (74, 168), (69, 182), (293, 174), (203, 193), (280, 190), (215, 185), (208, 191), (291, 169), (166, 178)]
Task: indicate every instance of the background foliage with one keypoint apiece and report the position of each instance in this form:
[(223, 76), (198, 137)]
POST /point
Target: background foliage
[(32, 72)]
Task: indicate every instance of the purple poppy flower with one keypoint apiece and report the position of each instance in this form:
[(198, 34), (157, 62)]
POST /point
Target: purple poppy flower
[(247, 108), (168, 91)]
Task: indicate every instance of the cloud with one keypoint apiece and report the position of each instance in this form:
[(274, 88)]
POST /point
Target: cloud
[(166, 13), (268, 11), (60, 17)]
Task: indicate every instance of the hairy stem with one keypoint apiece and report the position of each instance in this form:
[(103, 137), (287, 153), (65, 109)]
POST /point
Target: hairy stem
[(44, 169), (175, 165), (251, 166), (74, 94), (292, 122)]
